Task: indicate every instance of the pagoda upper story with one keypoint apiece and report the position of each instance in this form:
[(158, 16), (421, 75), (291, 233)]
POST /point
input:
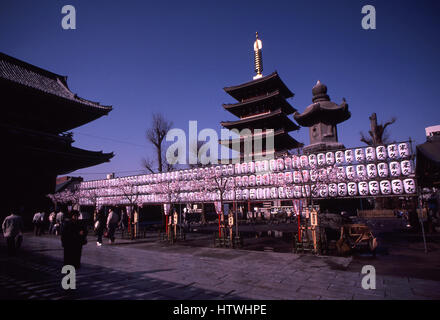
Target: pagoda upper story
[(262, 104), (322, 117)]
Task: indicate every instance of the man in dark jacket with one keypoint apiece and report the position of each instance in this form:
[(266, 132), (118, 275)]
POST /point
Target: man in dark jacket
[(99, 226), (73, 237)]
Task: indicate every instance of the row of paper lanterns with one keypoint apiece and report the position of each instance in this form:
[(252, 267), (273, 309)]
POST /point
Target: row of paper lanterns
[(345, 157), (332, 190), (329, 174)]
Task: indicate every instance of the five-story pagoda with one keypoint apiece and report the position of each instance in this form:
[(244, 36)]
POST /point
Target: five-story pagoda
[(263, 109)]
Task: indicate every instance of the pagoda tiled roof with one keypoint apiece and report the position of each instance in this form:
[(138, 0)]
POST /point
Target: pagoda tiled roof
[(273, 99), (281, 137), (256, 87), (28, 75), (260, 121)]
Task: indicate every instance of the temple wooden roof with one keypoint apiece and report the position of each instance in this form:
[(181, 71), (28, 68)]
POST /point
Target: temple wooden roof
[(42, 94), (267, 84), (53, 152), (269, 101), (282, 140), (270, 120)]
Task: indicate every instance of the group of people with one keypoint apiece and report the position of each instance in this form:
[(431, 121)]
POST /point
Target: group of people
[(106, 224), (52, 222)]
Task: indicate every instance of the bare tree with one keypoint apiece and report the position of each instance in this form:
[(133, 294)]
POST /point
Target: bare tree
[(378, 134), (155, 135)]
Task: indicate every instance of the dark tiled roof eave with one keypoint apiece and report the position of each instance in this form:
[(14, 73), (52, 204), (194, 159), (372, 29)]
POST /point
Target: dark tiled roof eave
[(30, 76)]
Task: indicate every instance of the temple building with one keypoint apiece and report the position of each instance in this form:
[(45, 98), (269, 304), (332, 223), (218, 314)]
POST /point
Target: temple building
[(38, 111), (263, 109), (321, 117)]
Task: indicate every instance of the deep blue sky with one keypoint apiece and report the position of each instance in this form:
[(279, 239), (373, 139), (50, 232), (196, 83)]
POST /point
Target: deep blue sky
[(176, 56)]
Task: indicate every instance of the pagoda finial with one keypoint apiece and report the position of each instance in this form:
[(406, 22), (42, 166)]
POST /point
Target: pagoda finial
[(258, 58)]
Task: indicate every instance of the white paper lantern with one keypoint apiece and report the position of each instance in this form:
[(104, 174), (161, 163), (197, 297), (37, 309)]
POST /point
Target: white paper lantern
[(267, 193), (397, 186), (281, 194), (363, 188), (322, 174), (297, 178), (374, 188), (313, 175), (266, 179), (244, 168), (312, 161), (409, 186), (237, 168), (295, 162), (288, 192), (395, 169), (252, 181), (260, 193), (245, 181), (340, 173), (323, 191), (333, 190), (339, 157), (406, 167), (288, 177), (370, 154), (381, 153), (304, 161), (404, 150), (238, 181), (321, 159), (361, 171), (305, 190), (265, 165), (251, 167), (382, 169), (273, 193), (297, 191), (273, 165), (315, 191), (371, 170), (359, 155), (280, 164), (393, 151), (288, 163), (350, 173), (385, 187), (280, 178), (252, 194), (258, 180), (349, 156), (342, 189), (258, 166), (245, 194), (330, 158), (305, 176), (352, 189)]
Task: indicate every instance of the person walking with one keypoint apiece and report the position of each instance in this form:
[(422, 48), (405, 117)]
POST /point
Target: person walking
[(36, 220), (99, 226), (52, 218), (73, 237), (43, 220), (112, 224), (59, 222), (12, 231)]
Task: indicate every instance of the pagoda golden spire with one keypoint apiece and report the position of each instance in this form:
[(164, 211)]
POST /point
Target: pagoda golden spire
[(258, 58)]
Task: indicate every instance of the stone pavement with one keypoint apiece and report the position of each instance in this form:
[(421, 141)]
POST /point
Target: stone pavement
[(155, 270)]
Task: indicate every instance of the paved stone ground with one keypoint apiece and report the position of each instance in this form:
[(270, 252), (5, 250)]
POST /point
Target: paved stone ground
[(151, 270)]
